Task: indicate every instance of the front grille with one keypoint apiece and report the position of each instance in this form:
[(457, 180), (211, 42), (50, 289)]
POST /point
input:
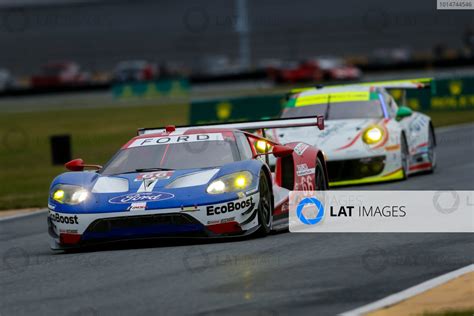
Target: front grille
[(354, 169), (149, 222)]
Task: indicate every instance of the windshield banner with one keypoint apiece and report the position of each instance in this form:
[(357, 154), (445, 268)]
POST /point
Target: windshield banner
[(176, 139)]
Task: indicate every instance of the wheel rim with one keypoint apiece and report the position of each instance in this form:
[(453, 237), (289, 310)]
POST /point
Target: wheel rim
[(265, 204)]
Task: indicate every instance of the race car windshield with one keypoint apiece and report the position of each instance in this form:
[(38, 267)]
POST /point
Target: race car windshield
[(203, 154), (338, 111)]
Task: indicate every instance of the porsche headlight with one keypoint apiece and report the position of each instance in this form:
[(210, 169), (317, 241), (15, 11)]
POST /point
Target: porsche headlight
[(372, 135), (230, 183), (69, 194)]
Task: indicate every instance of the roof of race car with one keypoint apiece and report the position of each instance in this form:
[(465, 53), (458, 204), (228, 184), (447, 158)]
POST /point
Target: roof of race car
[(334, 95)]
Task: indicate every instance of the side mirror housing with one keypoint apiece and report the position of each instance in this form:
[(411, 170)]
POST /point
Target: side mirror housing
[(78, 165), (280, 151), (75, 165), (320, 122), (403, 112)]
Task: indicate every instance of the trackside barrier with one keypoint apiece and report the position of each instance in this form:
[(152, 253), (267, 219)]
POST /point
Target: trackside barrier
[(152, 89), (447, 94), (236, 109)]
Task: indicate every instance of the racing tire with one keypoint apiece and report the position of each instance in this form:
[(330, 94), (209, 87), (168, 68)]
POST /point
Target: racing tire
[(404, 156), (264, 206), (431, 150), (320, 181)]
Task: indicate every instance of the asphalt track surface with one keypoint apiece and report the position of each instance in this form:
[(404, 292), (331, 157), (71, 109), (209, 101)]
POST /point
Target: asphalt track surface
[(311, 274)]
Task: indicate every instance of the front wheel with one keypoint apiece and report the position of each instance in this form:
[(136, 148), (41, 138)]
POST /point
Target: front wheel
[(431, 150), (265, 206), (404, 155)]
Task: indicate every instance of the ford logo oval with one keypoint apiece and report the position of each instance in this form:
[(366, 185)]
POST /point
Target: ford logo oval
[(141, 197)]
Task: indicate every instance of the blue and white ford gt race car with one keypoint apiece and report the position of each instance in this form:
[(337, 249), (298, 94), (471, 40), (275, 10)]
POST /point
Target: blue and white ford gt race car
[(205, 181)]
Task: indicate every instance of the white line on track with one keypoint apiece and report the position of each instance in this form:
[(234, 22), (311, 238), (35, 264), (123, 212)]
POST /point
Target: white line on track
[(7, 218), (410, 292)]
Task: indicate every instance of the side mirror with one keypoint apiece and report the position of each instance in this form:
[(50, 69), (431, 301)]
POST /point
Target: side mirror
[(280, 151), (78, 165), (320, 122), (403, 112)]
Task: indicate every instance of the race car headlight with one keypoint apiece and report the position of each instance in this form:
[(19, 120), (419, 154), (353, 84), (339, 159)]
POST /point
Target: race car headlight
[(262, 146), (372, 135), (69, 194), (230, 183)]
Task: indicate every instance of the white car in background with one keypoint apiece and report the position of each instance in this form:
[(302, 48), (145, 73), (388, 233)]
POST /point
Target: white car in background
[(367, 136)]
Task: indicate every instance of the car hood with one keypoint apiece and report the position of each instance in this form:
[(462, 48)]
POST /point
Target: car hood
[(337, 139), (121, 192)]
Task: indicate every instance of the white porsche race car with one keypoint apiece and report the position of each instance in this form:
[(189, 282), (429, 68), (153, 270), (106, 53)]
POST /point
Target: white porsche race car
[(367, 137)]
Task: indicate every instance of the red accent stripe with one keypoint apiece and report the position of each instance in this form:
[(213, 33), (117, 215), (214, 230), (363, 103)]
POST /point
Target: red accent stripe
[(392, 147), (164, 155), (352, 142), (422, 145), (385, 134), (420, 166)]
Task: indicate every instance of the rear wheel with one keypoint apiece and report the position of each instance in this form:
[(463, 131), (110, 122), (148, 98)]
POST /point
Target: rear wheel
[(265, 206), (320, 181), (404, 156)]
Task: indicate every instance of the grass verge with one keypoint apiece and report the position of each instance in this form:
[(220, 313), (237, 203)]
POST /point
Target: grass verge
[(25, 153)]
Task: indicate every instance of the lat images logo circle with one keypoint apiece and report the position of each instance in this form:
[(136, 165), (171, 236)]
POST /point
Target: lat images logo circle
[(439, 202), (308, 201)]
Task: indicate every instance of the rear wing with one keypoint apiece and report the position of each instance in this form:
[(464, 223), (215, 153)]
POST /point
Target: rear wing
[(317, 121)]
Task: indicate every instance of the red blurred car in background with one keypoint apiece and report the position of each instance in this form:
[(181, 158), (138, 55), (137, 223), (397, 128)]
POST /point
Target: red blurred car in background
[(338, 69), (60, 74), (292, 72), (313, 70)]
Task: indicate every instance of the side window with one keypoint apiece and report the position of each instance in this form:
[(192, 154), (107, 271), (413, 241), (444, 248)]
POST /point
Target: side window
[(244, 146)]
